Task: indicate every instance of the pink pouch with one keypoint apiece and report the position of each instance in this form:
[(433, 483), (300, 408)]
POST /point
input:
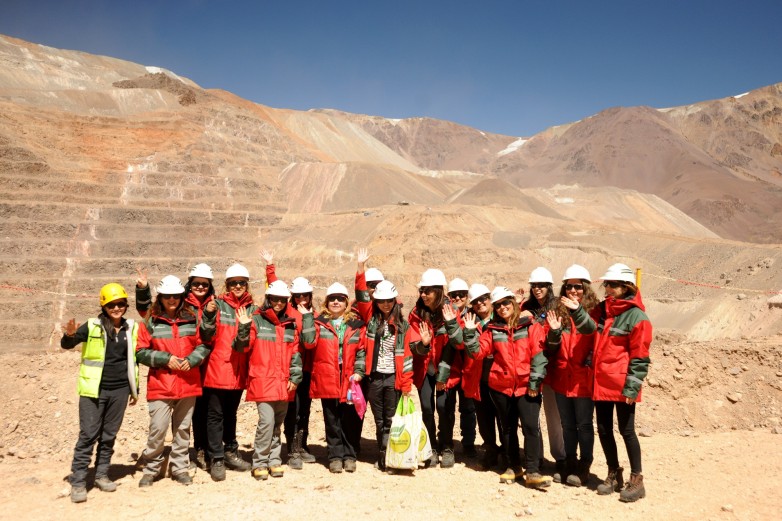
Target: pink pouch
[(358, 398)]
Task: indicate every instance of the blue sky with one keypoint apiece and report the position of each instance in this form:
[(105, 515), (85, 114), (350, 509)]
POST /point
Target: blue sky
[(511, 67)]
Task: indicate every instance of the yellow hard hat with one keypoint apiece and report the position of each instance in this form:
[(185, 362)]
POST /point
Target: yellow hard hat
[(110, 292)]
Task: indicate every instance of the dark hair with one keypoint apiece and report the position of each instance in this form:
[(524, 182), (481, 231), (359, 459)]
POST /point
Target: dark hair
[(588, 301), (536, 308), (395, 317), (267, 304), (209, 293), (157, 308), (434, 317)]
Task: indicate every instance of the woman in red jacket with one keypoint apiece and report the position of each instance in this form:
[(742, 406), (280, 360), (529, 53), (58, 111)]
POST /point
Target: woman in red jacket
[(569, 348), (297, 420), (169, 343), (225, 377), (436, 340), (621, 362), (271, 337), (514, 380), (338, 338), (389, 361)]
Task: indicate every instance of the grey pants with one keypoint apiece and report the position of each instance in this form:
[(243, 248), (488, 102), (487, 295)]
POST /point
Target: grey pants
[(99, 420), (268, 449), (162, 413), (556, 441)]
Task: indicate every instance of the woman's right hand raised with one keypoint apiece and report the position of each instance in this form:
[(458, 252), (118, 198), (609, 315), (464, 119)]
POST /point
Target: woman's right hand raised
[(362, 257), (569, 303), (303, 309), (70, 327), (267, 256), (243, 316), (141, 280), (426, 333), (469, 320)]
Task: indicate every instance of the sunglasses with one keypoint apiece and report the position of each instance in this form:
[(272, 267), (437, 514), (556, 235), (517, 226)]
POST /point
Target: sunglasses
[(458, 294), (301, 295), (276, 300), (479, 300), (240, 283), (114, 305), (332, 298), (384, 301), (199, 284), (426, 289), (373, 284), (538, 285), (168, 297), (503, 303), (577, 287), (613, 284)]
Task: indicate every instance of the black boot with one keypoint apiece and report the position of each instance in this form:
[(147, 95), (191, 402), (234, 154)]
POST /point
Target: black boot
[(560, 472), (294, 454), (580, 476)]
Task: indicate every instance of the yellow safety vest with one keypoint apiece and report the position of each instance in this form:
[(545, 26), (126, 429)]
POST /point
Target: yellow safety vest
[(93, 356)]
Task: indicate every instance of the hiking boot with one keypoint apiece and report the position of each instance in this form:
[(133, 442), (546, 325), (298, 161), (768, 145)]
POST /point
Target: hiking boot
[(105, 484), (580, 476), (202, 460), (335, 466), (78, 494), (276, 471), (448, 459), (536, 480), (146, 480), (510, 475), (349, 465), (612, 483), (433, 460), (260, 473), (560, 474), (218, 470), (381, 461), (294, 455), (634, 490), (306, 456), (490, 457), (183, 478), (235, 462)]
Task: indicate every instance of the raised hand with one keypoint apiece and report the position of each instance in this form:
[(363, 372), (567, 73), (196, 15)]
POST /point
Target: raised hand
[(426, 333), (211, 306), (267, 256), (303, 309), (569, 303), (362, 257), (448, 312), (71, 327), (469, 320), (519, 295), (553, 320), (141, 280), (243, 316)]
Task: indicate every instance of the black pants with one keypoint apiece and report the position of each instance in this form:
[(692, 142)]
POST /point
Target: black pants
[(467, 419), (578, 430), (625, 418), (510, 409), (488, 418), (445, 402), (200, 438), (222, 405), (342, 423), (298, 416), (99, 421), (383, 398)]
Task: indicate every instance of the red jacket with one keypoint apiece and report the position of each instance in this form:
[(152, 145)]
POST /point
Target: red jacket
[(621, 356), (472, 369), (403, 357), (519, 362), (160, 338), (569, 371), (329, 380), (226, 367), (448, 338), (274, 359)]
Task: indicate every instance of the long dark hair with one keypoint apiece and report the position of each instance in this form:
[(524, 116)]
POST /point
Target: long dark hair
[(588, 301), (536, 308), (182, 311), (395, 317), (208, 293), (434, 317)]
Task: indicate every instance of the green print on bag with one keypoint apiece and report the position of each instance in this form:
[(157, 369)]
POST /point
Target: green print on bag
[(399, 439), (422, 440)]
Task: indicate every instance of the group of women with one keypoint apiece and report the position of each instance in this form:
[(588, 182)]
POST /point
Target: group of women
[(501, 357)]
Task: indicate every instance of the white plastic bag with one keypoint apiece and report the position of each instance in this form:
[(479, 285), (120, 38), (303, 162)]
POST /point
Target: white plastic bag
[(408, 442)]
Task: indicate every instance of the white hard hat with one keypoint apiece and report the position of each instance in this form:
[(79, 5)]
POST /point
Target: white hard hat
[(501, 292), (301, 285), (541, 275), (476, 290), (278, 289), (202, 270), (457, 284), (337, 289), (170, 285), (385, 290), (432, 277), (576, 272), (373, 275), (236, 270), (620, 272)]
